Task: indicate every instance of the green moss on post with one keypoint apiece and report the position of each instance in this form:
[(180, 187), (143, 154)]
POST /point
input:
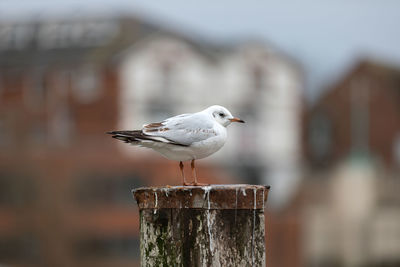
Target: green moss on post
[(217, 225)]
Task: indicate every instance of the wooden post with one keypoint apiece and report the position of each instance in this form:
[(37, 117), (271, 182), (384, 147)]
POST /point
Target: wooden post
[(216, 225)]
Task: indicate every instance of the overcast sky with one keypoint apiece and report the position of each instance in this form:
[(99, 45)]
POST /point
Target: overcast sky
[(326, 37)]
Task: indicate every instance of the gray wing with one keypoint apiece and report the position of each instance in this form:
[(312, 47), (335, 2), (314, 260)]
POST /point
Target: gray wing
[(183, 129)]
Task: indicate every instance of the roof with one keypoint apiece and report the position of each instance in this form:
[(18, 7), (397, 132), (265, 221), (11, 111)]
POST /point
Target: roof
[(97, 40), (67, 42), (378, 69)]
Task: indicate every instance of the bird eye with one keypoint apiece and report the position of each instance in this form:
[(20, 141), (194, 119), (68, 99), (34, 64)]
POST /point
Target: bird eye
[(221, 114)]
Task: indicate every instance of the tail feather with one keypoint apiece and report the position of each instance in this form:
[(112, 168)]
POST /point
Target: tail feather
[(128, 136), (137, 137)]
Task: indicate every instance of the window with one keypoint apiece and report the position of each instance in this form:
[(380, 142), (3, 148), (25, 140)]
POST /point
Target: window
[(11, 80), (160, 102), (256, 83), (8, 127), (61, 125), (4, 138), (1, 86), (166, 71), (37, 89), (320, 137), (41, 87), (61, 121), (396, 149), (257, 77), (38, 133), (19, 248), (248, 145), (87, 85), (250, 173), (108, 246), (16, 190), (100, 189), (158, 110)]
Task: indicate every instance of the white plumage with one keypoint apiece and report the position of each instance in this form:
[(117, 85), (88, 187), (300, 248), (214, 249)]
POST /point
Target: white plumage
[(184, 137)]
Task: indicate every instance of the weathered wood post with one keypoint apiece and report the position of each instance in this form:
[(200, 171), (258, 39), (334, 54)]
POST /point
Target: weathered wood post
[(216, 225)]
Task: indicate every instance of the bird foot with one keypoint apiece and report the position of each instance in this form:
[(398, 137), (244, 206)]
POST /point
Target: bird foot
[(196, 184)]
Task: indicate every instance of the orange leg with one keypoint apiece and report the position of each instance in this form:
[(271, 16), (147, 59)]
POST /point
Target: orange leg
[(183, 173), (194, 174)]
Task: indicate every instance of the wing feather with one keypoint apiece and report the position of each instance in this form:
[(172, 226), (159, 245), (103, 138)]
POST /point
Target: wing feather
[(183, 129), (137, 137)]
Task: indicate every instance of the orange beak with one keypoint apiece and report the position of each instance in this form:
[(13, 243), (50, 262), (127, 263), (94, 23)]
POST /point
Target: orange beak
[(236, 120)]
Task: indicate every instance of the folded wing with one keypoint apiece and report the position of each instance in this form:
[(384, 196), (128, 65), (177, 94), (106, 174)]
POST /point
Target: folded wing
[(184, 129)]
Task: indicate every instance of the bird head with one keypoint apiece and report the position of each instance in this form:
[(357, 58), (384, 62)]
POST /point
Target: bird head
[(222, 115)]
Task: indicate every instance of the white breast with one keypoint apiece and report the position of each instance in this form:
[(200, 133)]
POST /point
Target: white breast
[(196, 150)]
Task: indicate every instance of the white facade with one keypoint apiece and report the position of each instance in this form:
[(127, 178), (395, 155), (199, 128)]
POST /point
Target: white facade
[(353, 219), (164, 76)]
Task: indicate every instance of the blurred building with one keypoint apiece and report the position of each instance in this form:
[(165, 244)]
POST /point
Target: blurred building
[(65, 186), (65, 192), (351, 217), (163, 75), (350, 203), (360, 115)]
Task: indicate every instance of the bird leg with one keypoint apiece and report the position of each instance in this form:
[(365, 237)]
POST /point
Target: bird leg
[(194, 174), (183, 173)]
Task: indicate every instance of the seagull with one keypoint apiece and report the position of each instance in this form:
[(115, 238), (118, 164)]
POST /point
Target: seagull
[(185, 137)]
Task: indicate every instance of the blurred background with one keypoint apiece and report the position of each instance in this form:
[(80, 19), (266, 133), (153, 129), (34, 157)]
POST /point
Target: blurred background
[(318, 84)]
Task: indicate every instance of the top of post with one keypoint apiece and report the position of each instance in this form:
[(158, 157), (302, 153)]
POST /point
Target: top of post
[(234, 196)]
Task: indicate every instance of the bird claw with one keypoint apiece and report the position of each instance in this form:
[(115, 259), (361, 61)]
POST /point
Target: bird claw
[(195, 184)]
